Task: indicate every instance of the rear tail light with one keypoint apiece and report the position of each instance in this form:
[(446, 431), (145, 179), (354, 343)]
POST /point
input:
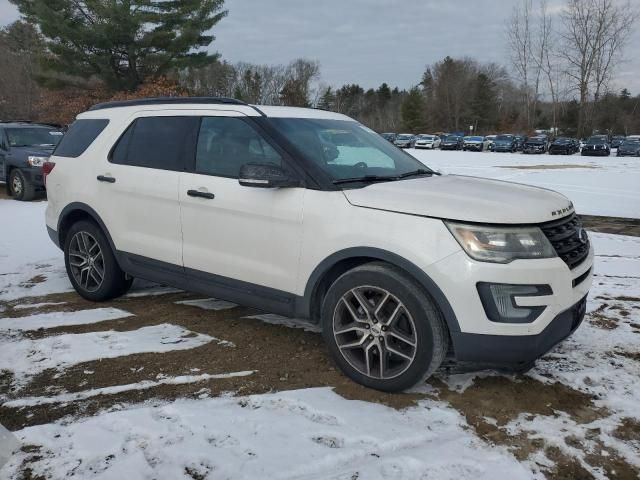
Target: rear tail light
[(47, 168)]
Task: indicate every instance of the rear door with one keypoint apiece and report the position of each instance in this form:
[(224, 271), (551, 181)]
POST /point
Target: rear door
[(234, 232), (3, 155), (138, 186)]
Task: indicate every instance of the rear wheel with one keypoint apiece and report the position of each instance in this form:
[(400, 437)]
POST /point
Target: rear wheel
[(91, 264), (382, 330), (19, 187)]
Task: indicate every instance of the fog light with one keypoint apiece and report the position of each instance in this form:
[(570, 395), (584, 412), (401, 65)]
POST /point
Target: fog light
[(498, 300)]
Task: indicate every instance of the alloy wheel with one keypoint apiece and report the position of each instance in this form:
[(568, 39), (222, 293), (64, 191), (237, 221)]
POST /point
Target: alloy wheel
[(374, 332), (86, 261), (16, 185)]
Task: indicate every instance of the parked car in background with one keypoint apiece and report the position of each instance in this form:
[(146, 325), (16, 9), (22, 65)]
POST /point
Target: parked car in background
[(617, 140), (597, 145), (400, 266), (564, 146), (504, 143), (520, 140), (630, 148), (427, 141), (474, 143), (452, 142), (391, 137), (24, 149), (490, 139), (404, 140), (535, 145)]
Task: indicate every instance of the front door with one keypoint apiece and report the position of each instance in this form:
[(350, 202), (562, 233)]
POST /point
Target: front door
[(234, 232)]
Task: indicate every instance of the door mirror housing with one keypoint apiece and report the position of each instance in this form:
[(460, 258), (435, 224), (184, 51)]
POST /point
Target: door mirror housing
[(265, 176)]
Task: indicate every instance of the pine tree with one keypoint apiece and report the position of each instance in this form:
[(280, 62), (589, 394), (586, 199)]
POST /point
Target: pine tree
[(122, 42), (413, 110), (327, 99)]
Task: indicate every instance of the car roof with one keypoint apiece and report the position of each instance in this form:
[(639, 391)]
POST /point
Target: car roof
[(26, 124), (126, 108)]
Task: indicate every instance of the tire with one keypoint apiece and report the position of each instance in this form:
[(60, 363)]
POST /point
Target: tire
[(19, 187), (84, 269), (412, 359)]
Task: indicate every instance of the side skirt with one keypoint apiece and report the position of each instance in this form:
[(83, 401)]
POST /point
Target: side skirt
[(224, 288)]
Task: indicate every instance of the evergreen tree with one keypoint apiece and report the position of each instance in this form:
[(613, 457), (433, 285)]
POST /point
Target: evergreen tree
[(122, 42), (412, 111), (327, 99)]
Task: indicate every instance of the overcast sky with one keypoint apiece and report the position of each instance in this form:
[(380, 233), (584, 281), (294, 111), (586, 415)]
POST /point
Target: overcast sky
[(371, 41)]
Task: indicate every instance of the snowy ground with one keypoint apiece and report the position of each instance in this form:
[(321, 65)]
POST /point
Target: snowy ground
[(608, 186), (162, 384)]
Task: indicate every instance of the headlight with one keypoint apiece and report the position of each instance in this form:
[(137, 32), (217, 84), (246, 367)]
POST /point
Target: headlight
[(36, 161), (501, 245)]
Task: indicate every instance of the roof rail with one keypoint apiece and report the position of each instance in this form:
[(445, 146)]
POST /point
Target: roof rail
[(171, 100)]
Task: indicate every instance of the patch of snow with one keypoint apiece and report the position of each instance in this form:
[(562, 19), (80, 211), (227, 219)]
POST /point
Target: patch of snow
[(25, 306), (143, 385), (148, 289), (28, 357), (61, 319), (312, 434), (287, 322), (604, 186), (208, 304), (9, 444)]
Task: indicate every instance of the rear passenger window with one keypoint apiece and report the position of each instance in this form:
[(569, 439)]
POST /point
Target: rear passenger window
[(80, 135), (227, 143), (156, 142)]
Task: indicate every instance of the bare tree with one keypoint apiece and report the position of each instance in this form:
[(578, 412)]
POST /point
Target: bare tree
[(594, 34)]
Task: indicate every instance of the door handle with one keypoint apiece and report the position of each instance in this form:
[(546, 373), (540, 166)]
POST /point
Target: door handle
[(103, 178), (199, 194)]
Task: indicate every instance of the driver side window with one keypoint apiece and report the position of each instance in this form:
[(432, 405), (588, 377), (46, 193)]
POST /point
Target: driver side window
[(225, 144)]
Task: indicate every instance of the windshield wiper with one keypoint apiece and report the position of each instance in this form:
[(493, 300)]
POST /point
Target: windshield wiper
[(367, 178), (420, 171)]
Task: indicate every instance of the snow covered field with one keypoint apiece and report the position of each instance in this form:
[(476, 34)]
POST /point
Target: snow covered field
[(81, 386), (608, 186)]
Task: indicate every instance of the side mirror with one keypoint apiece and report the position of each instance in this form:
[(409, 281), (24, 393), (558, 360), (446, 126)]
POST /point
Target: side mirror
[(265, 176)]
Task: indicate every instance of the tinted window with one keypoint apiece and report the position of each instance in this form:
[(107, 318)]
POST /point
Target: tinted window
[(80, 135), (33, 137), (155, 142), (227, 143)]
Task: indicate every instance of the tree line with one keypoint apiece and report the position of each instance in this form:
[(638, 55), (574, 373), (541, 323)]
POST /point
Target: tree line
[(65, 55)]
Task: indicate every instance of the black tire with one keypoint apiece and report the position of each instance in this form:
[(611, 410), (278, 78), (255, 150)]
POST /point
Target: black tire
[(19, 187), (431, 335), (114, 281)]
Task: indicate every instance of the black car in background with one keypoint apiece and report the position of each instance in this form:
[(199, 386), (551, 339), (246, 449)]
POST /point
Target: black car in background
[(597, 145), (535, 145), (505, 143), (24, 149), (630, 148), (391, 137), (617, 140), (452, 142), (520, 141), (564, 146)]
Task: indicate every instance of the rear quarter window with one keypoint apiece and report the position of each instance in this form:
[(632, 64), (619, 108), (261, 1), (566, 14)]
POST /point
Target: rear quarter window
[(80, 135)]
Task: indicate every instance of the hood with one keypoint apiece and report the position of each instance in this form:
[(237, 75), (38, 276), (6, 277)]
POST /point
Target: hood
[(470, 199), (34, 150)]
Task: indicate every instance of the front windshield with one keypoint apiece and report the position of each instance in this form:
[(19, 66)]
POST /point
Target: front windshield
[(506, 138), (562, 140), (475, 139), (536, 140), (33, 137), (593, 140), (452, 138), (345, 149), (404, 137), (632, 143)]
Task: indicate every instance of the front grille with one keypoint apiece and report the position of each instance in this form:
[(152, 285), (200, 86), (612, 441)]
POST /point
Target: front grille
[(568, 239)]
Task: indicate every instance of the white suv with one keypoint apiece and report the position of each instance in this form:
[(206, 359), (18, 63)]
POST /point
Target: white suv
[(310, 214)]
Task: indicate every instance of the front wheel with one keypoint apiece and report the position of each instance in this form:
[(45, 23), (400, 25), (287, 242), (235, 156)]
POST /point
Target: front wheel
[(19, 187), (91, 264), (382, 330)]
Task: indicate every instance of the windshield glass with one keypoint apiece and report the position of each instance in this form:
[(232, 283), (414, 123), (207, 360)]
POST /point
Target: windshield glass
[(593, 140), (505, 138), (33, 137), (631, 143), (562, 140), (345, 149), (535, 140), (404, 137), (475, 139), (452, 138)]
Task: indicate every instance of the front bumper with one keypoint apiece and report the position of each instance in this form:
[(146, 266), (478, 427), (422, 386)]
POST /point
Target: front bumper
[(595, 153), (34, 176), (503, 148), (512, 352), (449, 147), (473, 146), (423, 145)]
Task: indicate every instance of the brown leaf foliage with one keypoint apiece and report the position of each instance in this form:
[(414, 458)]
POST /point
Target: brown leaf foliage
[(62, 106)]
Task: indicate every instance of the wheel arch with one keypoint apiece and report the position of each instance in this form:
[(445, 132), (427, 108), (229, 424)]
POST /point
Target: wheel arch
[(75, 212), (338, 263)]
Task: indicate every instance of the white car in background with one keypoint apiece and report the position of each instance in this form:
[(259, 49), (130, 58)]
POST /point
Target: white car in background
[(427, 141), (475, 143), (491, 139)]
